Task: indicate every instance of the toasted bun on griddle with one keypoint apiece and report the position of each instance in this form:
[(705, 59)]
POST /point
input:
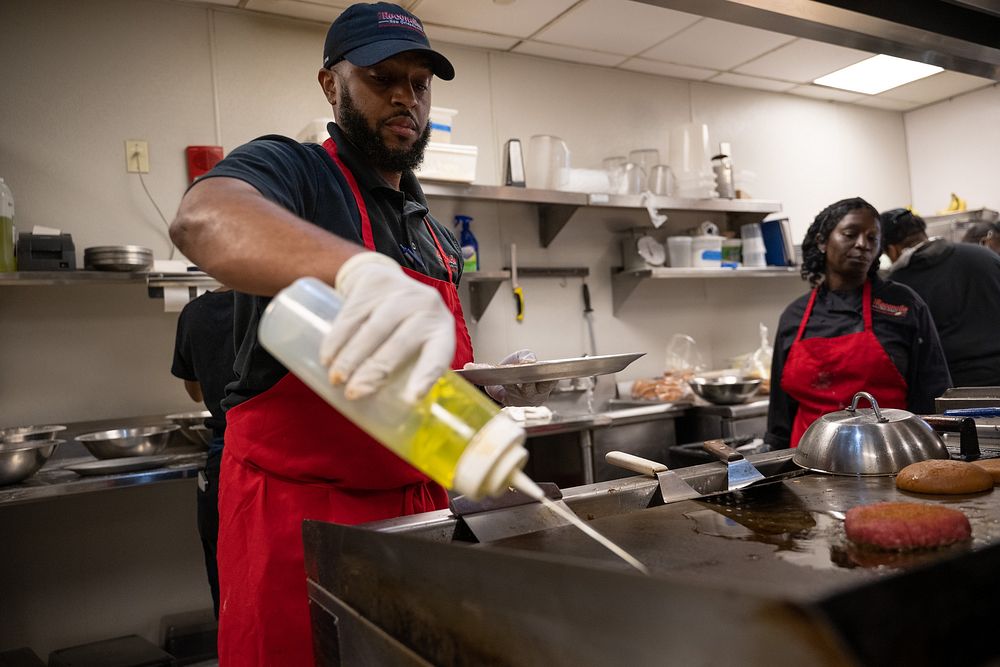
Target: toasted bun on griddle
[(943, 477), (992, 466), (906, 526)]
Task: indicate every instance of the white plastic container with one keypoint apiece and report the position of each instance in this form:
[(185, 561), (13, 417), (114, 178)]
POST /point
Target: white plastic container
[(448, 162), (706, 251), (442, 123), (679, 251), (753, 246), (455, 435)]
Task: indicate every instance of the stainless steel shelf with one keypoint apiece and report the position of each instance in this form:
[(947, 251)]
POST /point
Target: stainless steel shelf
[(625, 282), (154, 281), (556, 208)]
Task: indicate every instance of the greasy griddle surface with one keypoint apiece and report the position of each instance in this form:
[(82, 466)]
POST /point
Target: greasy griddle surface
[(786, 537)]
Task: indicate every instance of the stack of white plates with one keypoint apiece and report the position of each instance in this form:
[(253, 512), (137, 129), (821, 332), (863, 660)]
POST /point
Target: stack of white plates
[(696, 185), (118, 258)]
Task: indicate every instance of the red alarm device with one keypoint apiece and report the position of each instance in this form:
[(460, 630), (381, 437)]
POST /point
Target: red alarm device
[(201, 158)]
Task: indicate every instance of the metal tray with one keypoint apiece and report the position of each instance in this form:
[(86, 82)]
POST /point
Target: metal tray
[(115, 466), (553, 369)]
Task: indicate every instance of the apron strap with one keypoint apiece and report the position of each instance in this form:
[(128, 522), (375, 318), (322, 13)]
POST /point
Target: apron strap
[(366, 223), (440, 250), (805, 318), (866, 305)]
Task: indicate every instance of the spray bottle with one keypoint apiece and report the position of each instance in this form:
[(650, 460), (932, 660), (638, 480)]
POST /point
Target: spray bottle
[(470, 246)]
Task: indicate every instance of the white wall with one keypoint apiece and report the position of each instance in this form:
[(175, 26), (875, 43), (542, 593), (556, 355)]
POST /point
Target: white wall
[(954, 146), (80, 78)]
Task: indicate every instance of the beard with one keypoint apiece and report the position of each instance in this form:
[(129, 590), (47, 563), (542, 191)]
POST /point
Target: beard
[(371, 144)]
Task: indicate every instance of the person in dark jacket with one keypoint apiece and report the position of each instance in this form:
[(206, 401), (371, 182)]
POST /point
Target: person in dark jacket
[(852, 332), (960, 283), (985, 234), (204, 353)]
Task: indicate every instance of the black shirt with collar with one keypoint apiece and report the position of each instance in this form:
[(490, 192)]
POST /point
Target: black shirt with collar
[(903, 326), (303, 179)]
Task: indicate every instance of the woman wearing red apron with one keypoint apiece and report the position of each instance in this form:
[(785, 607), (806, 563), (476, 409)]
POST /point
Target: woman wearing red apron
[(311, 463), (853, 332)]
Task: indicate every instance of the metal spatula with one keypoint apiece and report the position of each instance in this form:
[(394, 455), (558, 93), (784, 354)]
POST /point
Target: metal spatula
[(672, 487), (740, 472)]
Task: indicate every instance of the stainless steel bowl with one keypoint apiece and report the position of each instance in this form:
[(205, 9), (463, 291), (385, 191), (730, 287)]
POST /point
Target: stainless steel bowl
[(30, 433), (19, 461), (867, 442), (120, 442), (193, 426), (725, 389)]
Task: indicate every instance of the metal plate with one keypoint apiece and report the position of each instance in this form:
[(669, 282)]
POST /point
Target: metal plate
[(554, 369), (114, 466)]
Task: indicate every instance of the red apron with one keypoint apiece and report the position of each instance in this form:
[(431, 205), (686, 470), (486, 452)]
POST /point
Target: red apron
[(823, 374), (290, 456)]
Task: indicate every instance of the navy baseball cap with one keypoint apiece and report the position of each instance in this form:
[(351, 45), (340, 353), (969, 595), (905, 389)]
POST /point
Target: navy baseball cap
[(366, 34)]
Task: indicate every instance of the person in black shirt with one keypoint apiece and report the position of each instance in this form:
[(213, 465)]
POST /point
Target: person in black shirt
[(853, 332), (204, 353), (960, 283), (985, 234)]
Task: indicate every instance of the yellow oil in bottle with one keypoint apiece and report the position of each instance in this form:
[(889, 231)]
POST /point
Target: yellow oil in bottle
[(441, 426)]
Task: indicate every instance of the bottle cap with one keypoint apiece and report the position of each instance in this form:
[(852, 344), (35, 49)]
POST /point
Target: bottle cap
[(492, 458)]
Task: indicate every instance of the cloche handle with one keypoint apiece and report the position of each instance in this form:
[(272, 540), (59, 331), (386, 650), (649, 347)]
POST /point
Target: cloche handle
[(871, 399)]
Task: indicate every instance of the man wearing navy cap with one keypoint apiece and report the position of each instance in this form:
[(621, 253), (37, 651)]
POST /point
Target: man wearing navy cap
[(350, 212)]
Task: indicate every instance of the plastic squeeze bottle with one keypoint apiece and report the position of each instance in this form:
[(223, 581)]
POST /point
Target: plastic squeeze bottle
[(455, 434), (8, 235), (470, 246)]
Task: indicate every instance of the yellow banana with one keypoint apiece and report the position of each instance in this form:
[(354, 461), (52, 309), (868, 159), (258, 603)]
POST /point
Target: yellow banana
[(955, 204)]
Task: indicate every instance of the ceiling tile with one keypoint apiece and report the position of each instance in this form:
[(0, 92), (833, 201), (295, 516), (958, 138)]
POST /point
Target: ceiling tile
[(752, 82), (825, 93), (615, 26), (667, 69), (438, 33), (716, 44), (519, 19), (885, 103), (324, 12), (568, 53), (937, 87), (803, 61)]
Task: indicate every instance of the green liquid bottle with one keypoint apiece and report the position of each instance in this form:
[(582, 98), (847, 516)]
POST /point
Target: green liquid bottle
[(8, 235)]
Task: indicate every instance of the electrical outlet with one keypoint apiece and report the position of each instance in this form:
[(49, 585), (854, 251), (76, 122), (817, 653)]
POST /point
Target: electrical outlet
[(136, 156)]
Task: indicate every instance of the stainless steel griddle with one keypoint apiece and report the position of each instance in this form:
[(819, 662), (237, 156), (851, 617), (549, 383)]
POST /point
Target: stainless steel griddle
[(761, 576)]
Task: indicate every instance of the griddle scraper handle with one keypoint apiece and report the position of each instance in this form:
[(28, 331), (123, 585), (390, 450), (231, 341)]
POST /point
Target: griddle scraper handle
[(586, 299), (634, 463), (721, 451)]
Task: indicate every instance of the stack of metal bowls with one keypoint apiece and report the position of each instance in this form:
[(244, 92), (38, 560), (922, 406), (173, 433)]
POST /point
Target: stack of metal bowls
[(25, 449), (121, 442), (193, 426), (118, 258)]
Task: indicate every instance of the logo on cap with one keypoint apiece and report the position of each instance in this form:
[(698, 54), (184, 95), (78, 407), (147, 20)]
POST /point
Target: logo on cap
[(394, 20)]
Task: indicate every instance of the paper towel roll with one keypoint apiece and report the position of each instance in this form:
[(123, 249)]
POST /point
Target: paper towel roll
[(175, 298)]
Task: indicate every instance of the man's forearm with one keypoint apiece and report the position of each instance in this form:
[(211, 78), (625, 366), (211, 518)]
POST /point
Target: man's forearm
[(234, 234)]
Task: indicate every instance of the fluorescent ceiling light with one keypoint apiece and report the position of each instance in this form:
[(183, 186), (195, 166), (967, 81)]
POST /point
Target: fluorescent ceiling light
[(877, 74)]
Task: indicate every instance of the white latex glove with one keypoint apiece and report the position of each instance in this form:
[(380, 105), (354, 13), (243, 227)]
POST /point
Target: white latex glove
[(387, 319), (528, 394)]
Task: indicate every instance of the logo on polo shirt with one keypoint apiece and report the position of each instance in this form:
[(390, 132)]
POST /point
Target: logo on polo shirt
[(889, 308), (395, 20)]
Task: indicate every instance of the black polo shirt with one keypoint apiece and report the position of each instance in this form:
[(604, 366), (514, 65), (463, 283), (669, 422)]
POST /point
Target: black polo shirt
[(305, 180), (902, 324)]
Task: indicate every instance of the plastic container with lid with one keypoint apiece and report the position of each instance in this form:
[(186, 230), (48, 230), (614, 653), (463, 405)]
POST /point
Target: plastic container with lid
[(455, 434), (442, 122), (679, 251), (706, 251), (8, 235)]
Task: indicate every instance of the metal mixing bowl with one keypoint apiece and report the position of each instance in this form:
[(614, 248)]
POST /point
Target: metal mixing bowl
[(193, 426), (725, 389), (119, 442), (30, 433), (20, 461)]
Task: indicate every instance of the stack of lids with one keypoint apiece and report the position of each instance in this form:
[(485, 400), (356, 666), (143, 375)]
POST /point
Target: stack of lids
[(118, 258)]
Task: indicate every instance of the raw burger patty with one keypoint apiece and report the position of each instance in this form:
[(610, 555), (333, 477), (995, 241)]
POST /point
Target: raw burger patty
[(943, 476), (992, 466), (905, 526)]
